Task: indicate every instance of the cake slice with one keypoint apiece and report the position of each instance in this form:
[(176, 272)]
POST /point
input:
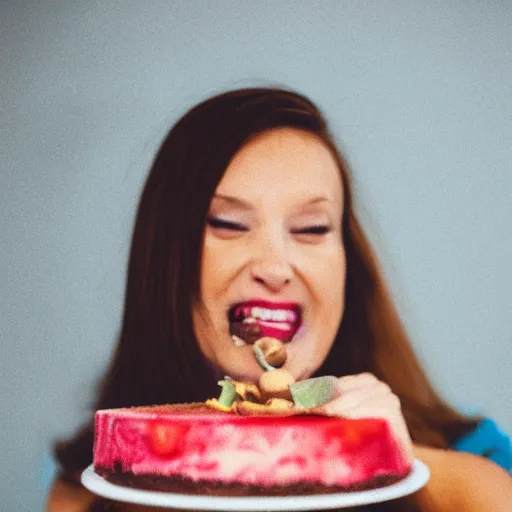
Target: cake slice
[(192, 448)]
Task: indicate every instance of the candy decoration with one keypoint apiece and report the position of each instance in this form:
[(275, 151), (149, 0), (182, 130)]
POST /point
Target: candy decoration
[(228, 394), (311, 393)]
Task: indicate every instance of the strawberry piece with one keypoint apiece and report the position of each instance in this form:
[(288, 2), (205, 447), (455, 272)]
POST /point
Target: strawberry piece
[(164, 439)]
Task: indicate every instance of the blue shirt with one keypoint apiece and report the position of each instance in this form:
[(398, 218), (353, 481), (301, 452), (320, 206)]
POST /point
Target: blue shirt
[(488, 441)]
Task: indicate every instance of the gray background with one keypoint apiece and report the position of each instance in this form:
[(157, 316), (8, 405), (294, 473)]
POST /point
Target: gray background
[(419, 94)]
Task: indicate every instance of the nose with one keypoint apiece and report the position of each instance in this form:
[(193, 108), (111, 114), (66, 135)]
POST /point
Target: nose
[(271, 266)]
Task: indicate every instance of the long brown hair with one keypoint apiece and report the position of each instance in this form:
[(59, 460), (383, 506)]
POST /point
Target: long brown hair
[(157, 359)]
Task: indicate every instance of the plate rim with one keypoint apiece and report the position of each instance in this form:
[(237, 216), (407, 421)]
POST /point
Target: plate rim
[(414, 481)]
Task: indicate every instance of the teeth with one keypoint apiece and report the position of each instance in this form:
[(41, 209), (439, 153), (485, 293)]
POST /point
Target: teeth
[(255, 312), (275, 315), (279, 316)]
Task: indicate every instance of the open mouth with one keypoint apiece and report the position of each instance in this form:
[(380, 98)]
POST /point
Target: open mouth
[(255, 319)]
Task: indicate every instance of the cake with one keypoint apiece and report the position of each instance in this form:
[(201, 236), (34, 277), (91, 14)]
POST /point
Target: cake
[(268, 438), (195, 448)]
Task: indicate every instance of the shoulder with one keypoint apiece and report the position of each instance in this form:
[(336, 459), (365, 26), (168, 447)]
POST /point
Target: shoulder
[(463, 481)]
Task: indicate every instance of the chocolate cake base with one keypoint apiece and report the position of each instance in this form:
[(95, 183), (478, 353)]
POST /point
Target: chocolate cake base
[(181, 485)]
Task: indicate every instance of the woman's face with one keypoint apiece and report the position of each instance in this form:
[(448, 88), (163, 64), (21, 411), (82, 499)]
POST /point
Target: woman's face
[(273, 255)]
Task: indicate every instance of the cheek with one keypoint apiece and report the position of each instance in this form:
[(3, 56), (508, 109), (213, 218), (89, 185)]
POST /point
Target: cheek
[(329, 284), (216, 267), (201, 330), (339, 277), (332, 302), (327, 274)]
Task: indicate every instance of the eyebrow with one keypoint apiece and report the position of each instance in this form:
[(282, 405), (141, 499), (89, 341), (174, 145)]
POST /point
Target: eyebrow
[(234, 200), (247, 206)]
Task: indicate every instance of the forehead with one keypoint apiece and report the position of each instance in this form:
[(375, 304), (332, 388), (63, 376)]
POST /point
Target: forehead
[(283, 161)]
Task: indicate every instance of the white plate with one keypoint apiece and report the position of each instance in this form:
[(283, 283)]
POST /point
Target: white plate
[(414, 481)]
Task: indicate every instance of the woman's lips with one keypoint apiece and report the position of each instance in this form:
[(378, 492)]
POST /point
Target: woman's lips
[(254, 319)]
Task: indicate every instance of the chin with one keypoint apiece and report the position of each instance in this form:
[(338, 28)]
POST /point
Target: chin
[(240, 364), (299, 371)]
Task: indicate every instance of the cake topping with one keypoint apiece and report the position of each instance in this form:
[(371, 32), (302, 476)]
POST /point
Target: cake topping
[(279, 403), (314, 392), (276, 392), (273, 407), (228, 394), (232, 392), (270, 353), (247, 391), (276, 384)]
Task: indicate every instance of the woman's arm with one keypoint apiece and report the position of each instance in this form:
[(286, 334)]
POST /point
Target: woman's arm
[(65, 497), (461, 481)]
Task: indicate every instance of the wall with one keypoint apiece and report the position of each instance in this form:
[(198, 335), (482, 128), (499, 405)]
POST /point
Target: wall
[(419, 96)]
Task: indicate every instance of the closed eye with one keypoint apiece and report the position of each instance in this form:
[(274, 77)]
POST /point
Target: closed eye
[(217, 223), (312, 230)]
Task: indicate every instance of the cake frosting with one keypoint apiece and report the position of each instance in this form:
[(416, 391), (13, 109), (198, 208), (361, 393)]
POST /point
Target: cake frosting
[(182, 446)]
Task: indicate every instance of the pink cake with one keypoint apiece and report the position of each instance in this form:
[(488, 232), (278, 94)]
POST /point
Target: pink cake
[(195, 449)]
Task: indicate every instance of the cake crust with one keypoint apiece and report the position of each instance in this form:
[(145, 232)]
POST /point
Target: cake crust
[(182, 485)]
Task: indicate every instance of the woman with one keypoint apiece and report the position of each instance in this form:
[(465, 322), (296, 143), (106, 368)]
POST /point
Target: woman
[(248, 198)]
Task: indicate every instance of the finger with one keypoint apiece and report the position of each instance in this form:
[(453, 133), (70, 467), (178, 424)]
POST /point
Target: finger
[(372, 393), (368, 412), (352, 382), (363, 401)]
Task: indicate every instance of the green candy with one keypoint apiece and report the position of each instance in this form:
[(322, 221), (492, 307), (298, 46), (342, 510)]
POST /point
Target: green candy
[(228, 393), (314, 392)]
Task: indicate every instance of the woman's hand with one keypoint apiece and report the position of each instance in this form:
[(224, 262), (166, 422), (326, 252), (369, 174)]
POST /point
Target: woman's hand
[(364, 396)]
